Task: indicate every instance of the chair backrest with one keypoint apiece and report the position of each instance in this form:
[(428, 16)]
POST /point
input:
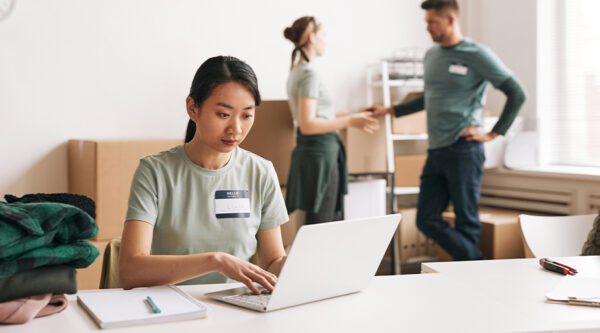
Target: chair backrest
[(109, 277), (554, 236)]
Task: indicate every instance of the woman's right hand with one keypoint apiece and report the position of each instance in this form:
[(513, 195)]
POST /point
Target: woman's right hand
[(245, 272), (364, 121)]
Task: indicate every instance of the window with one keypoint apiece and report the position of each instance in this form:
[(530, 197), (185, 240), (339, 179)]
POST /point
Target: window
[(569, 82)]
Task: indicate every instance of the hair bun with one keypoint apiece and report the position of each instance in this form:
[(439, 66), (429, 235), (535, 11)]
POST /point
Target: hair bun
[(290, 34)]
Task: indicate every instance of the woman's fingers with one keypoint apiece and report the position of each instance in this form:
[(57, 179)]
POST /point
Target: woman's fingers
[(272, 278), (248, 273), (248, 282), (261, 279), (371, 125), (265, 278)]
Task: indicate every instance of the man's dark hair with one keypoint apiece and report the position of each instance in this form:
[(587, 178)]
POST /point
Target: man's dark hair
[(440, 5)]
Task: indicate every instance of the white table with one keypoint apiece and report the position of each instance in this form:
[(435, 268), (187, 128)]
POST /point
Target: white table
[(585, 265), (520, 285), (483, 296)]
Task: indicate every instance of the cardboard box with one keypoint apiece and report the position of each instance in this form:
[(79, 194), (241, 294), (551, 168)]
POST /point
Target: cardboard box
[(366, 153), (422, 242), (411, 242), (103, 170), (89, 277), (415, 123), (432, 248), (290, 229), (500, 234), (408, 235), (408, 169), (273, 136)]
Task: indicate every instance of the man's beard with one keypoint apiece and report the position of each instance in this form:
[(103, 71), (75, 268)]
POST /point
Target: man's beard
[(439, 38)]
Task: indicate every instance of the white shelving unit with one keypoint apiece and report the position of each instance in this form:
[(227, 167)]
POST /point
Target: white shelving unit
[(411, 80), (401, 137), (405, 190)]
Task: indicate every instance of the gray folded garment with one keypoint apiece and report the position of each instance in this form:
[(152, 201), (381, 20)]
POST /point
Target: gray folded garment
[(56, 279)]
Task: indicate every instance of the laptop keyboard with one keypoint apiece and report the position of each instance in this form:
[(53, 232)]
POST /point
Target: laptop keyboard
[(251, 298)]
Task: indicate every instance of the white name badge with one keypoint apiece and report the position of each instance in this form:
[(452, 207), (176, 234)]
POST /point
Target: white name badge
[(458, 69), (232, 204)]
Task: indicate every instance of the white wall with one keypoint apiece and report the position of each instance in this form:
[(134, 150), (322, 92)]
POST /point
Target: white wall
[(122, 69), (509, 28)]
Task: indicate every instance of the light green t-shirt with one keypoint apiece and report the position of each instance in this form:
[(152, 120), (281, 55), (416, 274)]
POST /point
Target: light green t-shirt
[(456, 79), (182, 201), (304, 81)]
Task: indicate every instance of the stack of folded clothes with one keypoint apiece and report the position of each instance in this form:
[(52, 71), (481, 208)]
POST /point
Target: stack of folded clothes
[(42, 241)]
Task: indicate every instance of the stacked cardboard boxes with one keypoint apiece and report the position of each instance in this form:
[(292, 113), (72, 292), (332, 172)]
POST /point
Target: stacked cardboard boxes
[(408, 169), (102, 171), (500, 234), (273, 136), (365, 153), (415, 123), (412, 243)]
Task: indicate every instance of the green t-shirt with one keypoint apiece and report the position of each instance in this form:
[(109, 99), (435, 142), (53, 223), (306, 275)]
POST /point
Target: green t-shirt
[(455, 84), (304, 81), (195, 210)]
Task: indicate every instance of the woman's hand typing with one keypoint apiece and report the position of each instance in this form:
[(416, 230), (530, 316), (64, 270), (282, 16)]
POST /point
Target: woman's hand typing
[(245, 272)]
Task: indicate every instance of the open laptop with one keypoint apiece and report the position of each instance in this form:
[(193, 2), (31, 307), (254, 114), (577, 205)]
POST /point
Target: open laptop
[(325, 260)]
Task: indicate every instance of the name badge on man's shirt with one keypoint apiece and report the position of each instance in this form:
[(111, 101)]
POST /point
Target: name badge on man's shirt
[(232, 204), (459, 69)]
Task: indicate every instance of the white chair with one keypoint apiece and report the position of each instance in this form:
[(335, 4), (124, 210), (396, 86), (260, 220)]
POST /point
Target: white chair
[(554, 236)]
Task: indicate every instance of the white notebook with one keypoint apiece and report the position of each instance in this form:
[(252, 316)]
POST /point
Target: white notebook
[(576, 290), (117, 307)]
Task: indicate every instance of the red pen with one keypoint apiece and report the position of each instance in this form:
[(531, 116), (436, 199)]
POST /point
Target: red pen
[(557, 267)]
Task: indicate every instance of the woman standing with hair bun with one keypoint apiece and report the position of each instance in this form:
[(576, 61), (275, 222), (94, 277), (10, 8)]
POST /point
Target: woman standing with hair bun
[(318, 177)]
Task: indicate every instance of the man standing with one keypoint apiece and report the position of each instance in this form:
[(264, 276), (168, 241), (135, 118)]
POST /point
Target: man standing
[(456, 72)]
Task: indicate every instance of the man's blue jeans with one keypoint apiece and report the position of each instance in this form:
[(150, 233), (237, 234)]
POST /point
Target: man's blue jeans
[(453, 173)]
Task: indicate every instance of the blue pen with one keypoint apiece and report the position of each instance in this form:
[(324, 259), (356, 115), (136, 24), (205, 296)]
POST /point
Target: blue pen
[(152, 305)]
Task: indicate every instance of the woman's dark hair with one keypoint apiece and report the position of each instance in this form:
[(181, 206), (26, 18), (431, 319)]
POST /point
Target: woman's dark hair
[(295, 33), (215, 72)]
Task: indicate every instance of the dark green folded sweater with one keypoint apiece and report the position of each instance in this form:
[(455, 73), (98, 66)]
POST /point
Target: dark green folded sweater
[(40, 234)]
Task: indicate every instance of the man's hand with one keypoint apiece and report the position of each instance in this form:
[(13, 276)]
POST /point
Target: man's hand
[(474, 133), (378, 109)]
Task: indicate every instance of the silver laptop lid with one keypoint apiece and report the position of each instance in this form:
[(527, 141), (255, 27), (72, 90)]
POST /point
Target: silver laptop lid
[(332, 259)]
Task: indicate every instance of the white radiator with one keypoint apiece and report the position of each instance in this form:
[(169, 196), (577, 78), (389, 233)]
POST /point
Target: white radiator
[(536, 200), (594, 203), (548, 193)]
